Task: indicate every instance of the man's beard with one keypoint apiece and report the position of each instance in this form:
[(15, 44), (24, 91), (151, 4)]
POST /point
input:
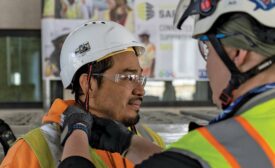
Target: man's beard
[(131, 121)]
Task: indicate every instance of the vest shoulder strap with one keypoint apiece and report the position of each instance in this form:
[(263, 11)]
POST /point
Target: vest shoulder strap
[(38, 144), (97, 161), (153, 135)]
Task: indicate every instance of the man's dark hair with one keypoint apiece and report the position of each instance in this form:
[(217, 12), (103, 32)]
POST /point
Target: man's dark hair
[(97, 67)]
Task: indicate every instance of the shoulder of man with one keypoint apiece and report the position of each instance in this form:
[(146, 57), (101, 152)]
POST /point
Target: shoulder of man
[(20, 155)]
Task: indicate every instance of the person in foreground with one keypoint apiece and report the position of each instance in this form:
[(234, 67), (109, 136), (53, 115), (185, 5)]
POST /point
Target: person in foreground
[(237, 39), (99, 63)]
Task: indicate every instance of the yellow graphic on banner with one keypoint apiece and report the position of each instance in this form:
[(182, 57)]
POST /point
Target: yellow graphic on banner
[(145, 11)]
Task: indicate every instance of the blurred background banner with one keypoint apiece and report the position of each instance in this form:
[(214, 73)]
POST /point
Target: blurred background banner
[(68, 9), (120, 11), (170, 53), (54, 32)]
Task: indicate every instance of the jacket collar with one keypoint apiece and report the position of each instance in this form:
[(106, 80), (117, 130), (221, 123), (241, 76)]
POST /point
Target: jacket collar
[(56, 110)]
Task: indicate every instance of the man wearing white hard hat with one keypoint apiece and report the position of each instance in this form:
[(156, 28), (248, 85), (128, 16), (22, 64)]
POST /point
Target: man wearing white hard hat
[(99, 63)]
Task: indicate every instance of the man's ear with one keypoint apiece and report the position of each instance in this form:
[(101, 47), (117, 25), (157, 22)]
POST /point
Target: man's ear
[(240, 57), (83, 82)]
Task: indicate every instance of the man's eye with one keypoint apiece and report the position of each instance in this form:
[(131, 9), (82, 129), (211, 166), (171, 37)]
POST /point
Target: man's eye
[(133, 77), (124, 77), (127, 77)]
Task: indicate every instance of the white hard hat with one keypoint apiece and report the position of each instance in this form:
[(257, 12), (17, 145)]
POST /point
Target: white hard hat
[(93, 41), (206, 12)]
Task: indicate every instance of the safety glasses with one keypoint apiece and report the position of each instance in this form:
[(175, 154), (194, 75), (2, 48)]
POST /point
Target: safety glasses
[(202, 44), (204, 50), (186, 8), (126, 80)]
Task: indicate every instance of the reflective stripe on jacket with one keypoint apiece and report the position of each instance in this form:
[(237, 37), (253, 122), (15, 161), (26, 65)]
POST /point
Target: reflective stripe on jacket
[(246, 140)]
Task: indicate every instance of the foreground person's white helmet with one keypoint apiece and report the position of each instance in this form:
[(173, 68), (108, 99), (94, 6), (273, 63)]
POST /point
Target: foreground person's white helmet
[(206, 12), (93, 41)]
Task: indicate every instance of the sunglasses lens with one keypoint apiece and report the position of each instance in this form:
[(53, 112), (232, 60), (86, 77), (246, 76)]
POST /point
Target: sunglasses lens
[(203, 49)]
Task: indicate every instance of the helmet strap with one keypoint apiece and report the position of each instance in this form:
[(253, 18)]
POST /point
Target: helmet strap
[(88, 88), (223, 55), (237, 77), (133, 129)]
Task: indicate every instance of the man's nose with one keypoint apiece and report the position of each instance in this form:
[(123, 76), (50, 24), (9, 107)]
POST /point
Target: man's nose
[(139, 90)]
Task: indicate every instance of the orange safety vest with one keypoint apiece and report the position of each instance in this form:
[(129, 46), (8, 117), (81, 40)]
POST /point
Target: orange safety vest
[(32, 150), (38, 144)]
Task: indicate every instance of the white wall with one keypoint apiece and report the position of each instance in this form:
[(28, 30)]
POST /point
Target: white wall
[(20, 14)]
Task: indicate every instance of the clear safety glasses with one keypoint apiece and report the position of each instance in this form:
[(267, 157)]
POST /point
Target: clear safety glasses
[(126, 80), (187, 8), (204, 50)]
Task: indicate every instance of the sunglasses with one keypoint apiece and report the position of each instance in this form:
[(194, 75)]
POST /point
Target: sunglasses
[(204, 50)]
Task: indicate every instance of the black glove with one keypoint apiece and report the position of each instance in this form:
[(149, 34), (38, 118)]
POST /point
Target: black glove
[(110, 135), (7, 138), (75, 118)]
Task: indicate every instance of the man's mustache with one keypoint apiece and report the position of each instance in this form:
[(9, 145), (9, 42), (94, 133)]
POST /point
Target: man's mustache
[(132, 100)]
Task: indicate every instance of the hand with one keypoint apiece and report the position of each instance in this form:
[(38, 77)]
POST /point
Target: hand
[(75, 118), (110, 135)]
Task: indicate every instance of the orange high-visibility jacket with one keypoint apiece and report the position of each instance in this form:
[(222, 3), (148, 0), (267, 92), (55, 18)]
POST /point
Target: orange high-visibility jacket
[(23, 155)]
